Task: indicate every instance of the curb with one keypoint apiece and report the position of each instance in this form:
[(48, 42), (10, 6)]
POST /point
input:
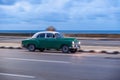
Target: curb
[(89, 51), (3, 47), (102, 51)]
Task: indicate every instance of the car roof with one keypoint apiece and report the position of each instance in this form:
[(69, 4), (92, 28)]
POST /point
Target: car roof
[(53, 32), (47, 32)]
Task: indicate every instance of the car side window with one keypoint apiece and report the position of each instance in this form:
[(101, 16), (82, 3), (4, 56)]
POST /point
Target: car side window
[(41, 35), (50, 35)]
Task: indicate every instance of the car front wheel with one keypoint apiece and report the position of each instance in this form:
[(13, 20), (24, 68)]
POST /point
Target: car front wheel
[(65, 49), (31, 47)]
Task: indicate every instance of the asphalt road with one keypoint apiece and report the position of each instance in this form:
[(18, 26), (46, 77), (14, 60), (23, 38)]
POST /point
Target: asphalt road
[(51, 65)]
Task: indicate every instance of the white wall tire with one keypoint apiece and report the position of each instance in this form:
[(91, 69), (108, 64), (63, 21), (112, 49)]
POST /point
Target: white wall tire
[(31, 47), (65, 49)]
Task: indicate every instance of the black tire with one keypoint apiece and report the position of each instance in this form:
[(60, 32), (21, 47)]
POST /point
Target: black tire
[(41, 49), (65, 49), (31, 47), (73, 50)]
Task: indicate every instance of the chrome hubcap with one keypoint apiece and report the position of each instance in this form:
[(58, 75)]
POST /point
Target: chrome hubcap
[(31, 47), (65, 49)]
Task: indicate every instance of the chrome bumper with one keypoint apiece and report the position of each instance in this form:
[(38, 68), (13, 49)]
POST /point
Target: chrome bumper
[(75, 47)]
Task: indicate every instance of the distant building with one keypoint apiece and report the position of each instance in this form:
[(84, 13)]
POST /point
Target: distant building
[(50, 28)]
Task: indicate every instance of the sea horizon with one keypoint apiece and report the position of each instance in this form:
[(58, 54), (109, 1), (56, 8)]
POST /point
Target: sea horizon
[(66, 31)]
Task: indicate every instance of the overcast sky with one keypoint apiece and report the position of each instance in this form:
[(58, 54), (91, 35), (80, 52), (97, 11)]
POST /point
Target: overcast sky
[(63, 14)]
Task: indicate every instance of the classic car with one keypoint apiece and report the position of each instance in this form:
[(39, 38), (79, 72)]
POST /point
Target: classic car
[(47, 40)]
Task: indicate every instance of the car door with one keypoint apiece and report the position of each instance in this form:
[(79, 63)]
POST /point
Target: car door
[(52, 41), (42, 40), (49, 40)]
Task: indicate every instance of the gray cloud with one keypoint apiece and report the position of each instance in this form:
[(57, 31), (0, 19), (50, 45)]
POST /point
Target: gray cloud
[(73, 9), (60, 11)]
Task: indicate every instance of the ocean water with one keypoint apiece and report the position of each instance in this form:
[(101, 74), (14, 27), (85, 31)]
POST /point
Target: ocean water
[(66, 31)]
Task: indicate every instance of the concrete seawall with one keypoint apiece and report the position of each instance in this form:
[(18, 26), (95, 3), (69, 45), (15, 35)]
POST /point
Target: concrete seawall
[(94, 35)]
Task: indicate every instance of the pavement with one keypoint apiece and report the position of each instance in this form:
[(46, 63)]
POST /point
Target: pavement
[(51, 65)]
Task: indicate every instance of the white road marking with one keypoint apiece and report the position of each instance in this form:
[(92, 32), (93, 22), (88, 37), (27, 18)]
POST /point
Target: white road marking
[(17, 75), (36, 60)]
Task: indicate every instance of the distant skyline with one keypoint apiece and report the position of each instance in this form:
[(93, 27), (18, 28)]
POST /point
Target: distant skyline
[(62, 14)]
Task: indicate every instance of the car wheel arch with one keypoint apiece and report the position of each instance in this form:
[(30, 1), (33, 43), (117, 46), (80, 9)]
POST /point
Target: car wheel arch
[(31, 44), (63, 45)]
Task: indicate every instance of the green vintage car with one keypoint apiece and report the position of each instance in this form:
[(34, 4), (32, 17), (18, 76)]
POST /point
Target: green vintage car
[(47, 40)]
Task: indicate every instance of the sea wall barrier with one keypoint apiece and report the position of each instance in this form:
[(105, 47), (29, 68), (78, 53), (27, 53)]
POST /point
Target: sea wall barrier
[(66, 34), (94, 35)]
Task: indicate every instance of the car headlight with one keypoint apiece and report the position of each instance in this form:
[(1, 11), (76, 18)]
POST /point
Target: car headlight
[(73, 42), (79, 42)]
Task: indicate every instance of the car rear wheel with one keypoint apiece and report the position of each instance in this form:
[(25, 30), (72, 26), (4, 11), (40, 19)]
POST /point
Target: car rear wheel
[(65, 49), (31, 47)]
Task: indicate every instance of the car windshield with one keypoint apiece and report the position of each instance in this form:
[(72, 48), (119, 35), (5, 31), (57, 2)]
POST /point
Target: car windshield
[(57, 35)]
